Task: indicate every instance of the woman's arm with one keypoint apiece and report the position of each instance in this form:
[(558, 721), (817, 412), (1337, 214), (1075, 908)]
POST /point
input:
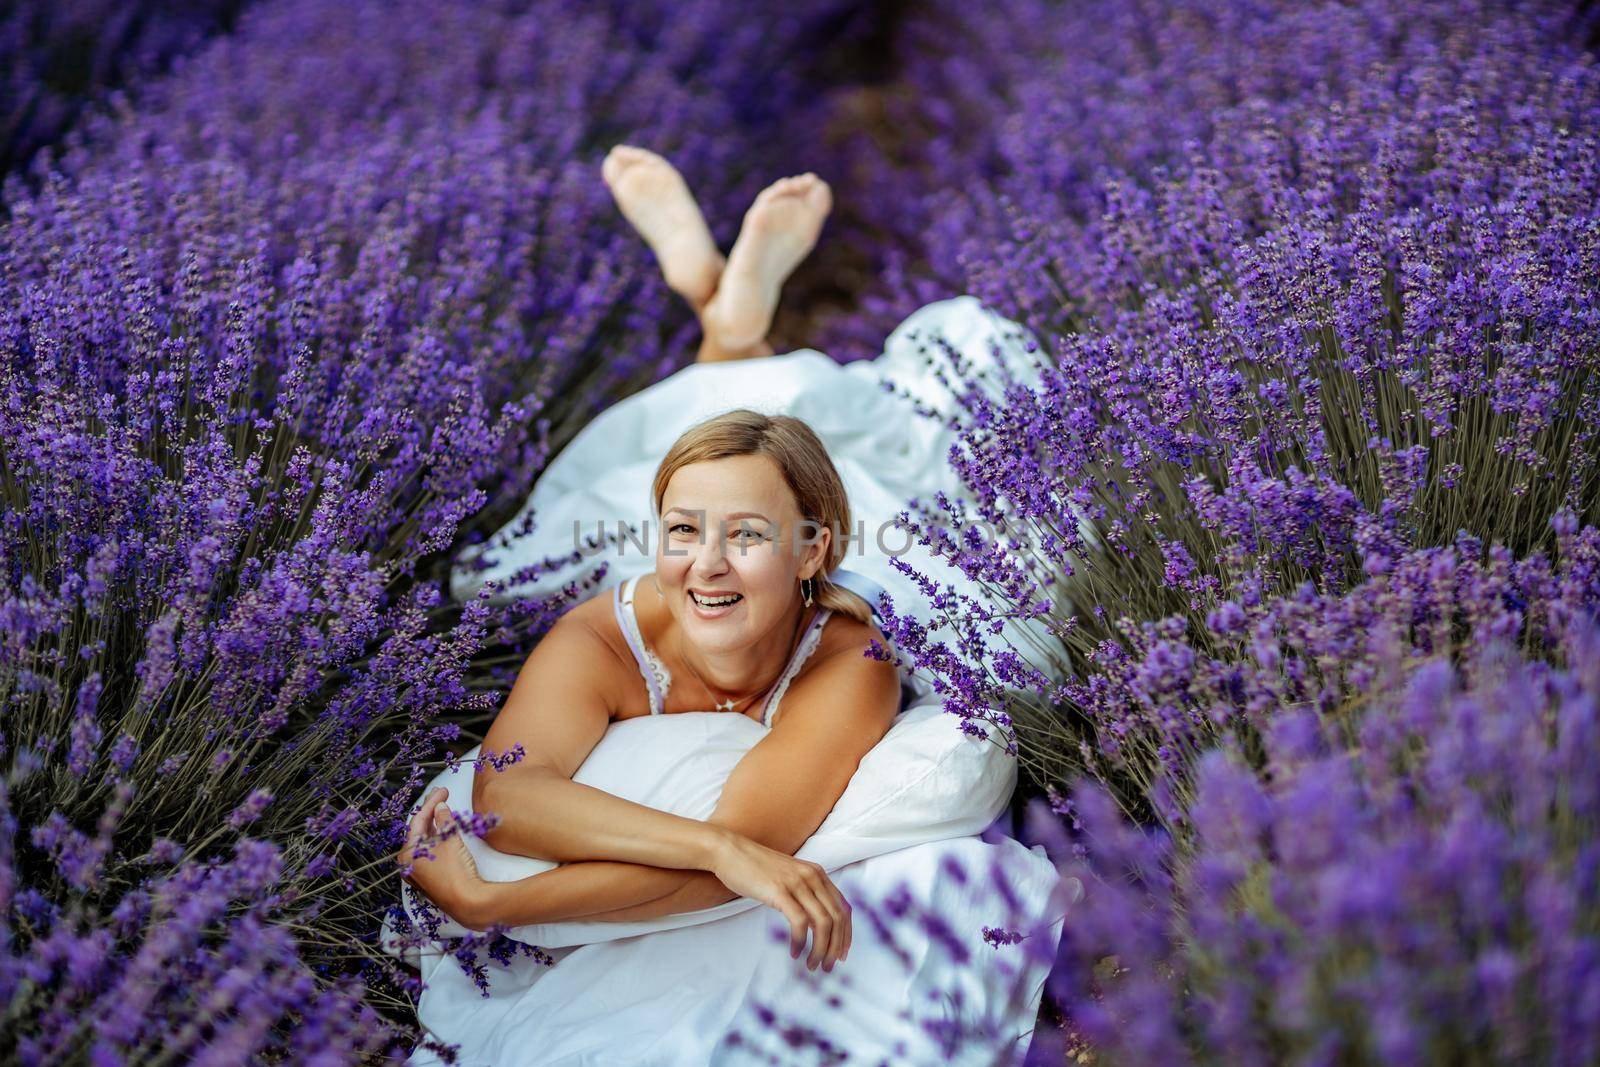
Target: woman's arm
[(546, 815), (601, 890), (558, 711), (447, 874)]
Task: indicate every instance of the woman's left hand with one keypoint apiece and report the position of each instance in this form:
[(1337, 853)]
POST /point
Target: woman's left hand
[(451, 877)]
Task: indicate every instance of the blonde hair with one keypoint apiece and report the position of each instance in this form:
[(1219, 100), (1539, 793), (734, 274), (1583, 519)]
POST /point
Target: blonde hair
[(802, 459)]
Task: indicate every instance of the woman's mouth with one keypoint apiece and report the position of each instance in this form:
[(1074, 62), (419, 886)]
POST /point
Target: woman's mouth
[(714, 607)]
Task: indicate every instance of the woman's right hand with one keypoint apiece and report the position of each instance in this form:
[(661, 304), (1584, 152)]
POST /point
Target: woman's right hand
[(799, 889)]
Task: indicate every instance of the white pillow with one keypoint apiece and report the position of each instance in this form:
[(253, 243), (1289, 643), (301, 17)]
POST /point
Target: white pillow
[(925, 780)]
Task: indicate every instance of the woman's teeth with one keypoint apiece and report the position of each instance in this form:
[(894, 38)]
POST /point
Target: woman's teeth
[(718, 602)]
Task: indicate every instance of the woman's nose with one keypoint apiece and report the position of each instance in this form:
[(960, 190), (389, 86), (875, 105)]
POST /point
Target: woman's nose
[(714, 556), (709, 551)]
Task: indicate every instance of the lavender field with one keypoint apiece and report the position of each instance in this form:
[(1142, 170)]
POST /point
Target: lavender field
[(298, 297)]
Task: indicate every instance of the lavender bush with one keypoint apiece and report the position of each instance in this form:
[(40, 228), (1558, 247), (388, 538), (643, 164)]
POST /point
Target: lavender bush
[(1414, 881), (1166, 693), (266, 342), (171, 957), (1346, 325), (1316, 291), (993, 145)]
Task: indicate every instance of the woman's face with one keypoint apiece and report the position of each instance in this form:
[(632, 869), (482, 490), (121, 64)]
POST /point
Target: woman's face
[(731, 526)]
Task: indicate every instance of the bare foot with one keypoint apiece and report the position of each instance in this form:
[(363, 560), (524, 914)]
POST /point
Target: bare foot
[(655, 199), (780, 228)]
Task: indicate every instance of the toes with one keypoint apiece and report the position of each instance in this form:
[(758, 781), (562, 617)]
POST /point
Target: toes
[(783, 187), (805, 186), (612, 166), (624, 157), (799, 184)]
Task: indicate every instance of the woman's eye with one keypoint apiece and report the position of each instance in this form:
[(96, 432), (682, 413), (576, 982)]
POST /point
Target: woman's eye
[(756, 536)]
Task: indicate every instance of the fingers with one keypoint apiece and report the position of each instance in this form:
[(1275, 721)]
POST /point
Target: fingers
[(420, 823), (427, 815), (444, 822), (849, 924), (420, 820), (838, 908), (807, 915), (832, 926), (844, 927), (799, 922), (821, 925)]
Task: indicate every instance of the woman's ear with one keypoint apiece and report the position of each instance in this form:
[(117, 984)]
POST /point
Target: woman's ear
[(817, 553)]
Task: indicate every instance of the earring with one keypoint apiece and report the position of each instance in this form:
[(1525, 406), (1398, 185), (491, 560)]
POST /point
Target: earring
[(805, 585)]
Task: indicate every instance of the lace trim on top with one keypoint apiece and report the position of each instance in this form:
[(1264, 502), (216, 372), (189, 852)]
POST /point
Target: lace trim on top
[(808, 644), (657, 678)]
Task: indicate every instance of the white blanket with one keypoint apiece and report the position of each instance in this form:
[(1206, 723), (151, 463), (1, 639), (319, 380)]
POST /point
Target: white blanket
[(673, 990)]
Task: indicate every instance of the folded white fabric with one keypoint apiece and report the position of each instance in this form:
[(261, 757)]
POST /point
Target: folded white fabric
[(925, 780)]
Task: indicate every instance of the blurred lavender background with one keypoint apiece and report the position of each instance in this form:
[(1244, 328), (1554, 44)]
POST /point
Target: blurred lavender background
[(58, 57)]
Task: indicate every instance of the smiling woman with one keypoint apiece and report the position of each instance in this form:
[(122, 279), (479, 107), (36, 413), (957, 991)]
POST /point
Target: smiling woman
[(737, 469), (727, 723), (655, 836), (753, 509)]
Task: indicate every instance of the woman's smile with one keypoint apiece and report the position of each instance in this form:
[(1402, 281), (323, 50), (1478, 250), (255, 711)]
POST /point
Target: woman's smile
[(706, 612)]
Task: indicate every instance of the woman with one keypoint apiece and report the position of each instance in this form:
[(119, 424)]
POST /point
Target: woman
[(745, 609)]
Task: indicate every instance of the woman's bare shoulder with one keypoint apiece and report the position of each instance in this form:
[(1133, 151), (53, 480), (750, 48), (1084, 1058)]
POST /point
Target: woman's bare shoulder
[(595, 606), (598, 614), (845, 634), (609, 672)]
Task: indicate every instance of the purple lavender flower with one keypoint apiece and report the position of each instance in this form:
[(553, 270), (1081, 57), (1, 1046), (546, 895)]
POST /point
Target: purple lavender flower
[(271, 336), (1399, 899), (1317, 411)]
